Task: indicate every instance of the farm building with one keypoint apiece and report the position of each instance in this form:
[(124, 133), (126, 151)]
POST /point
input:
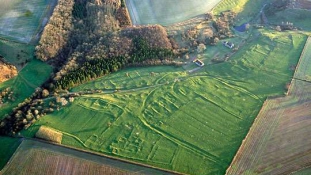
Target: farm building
[(198, 62), (228, 44)]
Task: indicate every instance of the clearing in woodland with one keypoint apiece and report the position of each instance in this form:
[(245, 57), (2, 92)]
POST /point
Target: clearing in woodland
[(279, 140), (22, 20), (167, 12), (41, 158), (165, 117)]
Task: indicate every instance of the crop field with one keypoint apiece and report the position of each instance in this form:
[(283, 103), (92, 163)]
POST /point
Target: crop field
[(165, 117), (167, 12), (34, 157), (21, 20), (304, 4), (279, 140), (304, 71), (7, 148)]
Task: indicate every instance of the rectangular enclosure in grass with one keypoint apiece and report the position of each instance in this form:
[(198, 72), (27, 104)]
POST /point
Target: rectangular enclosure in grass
[(167, 12), (21, 20)]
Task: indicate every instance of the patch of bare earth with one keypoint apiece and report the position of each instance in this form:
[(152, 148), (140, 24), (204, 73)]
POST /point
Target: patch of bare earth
[(303, 4), (7, 71)]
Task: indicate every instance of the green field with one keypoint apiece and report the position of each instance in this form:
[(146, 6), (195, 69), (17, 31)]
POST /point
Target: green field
[(41, 158), (7, 149), (167, 12), (305, 171), (20, 20), (299, 18), (246, 9), (32, 72), (190, 123), (304, 71), (279, 140), (16, 53)]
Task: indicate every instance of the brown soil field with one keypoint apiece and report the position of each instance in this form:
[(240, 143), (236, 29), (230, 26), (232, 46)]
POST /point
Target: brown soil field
[(303, 4), (7, 71), (279, 142), (33, 157)]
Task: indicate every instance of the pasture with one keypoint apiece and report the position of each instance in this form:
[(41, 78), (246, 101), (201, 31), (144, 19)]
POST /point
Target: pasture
[(167, 12), (279, 140), (42, 158), (299, 18), (165, 117), (32, 73), (21, 20), (7, 149), (304, 69), (24, 84), (16, 53)]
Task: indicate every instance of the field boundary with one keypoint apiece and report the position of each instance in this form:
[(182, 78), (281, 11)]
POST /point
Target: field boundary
[(247, 135), (48, 12), (11, 158), (91, 153), (216, 5), (264, 104), (12, 40), (298, 64)]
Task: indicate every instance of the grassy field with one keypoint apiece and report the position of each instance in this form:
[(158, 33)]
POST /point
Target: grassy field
[(304, 71), (299, 17), (163, 116), (20, 20), (7, 148), (41, 158), (32, 73), (305, 171), (167, 12), (16, 53), (279, 140), (246, 9)]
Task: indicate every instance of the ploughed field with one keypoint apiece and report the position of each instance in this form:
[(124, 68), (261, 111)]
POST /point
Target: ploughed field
[(34, 157), (167, 12), (279, 140), (165, 117), (21, 20)]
